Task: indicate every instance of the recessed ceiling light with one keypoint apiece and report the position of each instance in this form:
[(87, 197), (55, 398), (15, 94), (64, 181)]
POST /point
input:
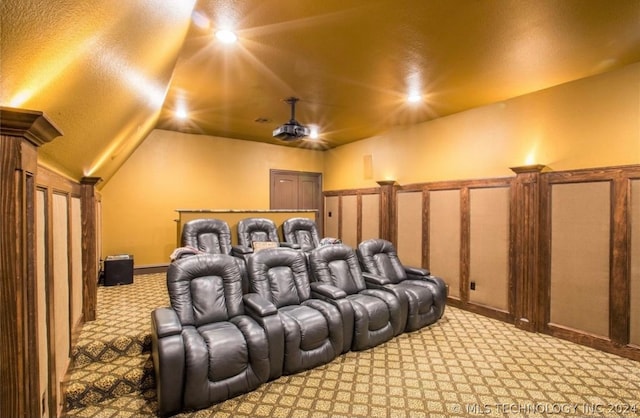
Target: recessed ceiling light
[(226, 36), (414, 97), (181, 113)]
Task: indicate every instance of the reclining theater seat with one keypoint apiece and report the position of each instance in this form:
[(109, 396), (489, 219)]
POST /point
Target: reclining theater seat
[(379, 315), (301, 231), (207, 235), (212, 236), (213, 343), (313, 328), (426, 294), (252, 230)]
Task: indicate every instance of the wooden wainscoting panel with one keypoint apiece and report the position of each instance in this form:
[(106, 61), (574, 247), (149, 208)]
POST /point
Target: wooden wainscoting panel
[(331, 216), (76, 262), (489, 247), (580, 247), (409, 227), (634, 255), (370, 216), (61, 286), (444, 237), (41, 291), (349, 220)]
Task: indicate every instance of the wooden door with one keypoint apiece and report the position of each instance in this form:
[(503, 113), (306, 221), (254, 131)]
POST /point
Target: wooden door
[(309, 191), (284, 190), (297, 190)]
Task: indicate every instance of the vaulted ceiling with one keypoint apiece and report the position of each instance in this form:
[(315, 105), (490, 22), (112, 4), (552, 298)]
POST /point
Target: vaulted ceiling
[(107, 73)]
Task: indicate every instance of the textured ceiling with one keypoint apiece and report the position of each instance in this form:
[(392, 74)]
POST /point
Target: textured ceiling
[(352, 62), (99, 71), (108, 74)]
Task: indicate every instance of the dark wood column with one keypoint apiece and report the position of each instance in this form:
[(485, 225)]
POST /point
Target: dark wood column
[(90, 256), (620, 267), (387, 209), (21, 133), (525, 242)]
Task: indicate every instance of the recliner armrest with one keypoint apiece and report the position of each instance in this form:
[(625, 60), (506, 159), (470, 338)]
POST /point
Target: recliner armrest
[(375, 279), (165, 322), (290, 245), (439, 283), (240, 250), (259, 305), (416, 273), (266, 314), (168, 354), (337, 297), (328, 291)]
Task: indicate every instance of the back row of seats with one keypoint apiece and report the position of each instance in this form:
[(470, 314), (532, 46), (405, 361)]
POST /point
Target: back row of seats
[(235, 323), (214, 235)]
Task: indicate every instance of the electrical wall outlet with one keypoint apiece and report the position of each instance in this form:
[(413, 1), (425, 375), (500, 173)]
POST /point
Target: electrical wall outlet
[(472, 285)]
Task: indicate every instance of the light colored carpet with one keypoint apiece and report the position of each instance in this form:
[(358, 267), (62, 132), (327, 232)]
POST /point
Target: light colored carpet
[(464, 365)]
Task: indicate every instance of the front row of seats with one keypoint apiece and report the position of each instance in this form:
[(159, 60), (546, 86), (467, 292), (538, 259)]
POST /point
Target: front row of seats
[(217, 340)]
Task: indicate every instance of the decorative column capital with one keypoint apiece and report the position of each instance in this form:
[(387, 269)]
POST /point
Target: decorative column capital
[(92, 181), (386, 183), (533, 168), (32, 125)]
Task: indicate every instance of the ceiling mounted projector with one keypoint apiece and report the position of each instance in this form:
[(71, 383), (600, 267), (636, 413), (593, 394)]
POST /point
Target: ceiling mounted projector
[(291, 130)]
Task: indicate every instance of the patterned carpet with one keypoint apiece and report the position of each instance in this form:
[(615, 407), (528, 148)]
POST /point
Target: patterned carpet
[(464, 365)]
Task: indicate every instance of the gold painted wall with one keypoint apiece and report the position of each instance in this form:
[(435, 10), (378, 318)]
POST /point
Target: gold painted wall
[(569, 126), (172, 170)]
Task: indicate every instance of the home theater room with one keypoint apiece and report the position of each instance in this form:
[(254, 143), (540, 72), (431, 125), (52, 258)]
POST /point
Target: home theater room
[(303, 208)]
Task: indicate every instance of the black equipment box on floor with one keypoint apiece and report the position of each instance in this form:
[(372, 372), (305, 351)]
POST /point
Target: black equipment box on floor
[(118, 269)]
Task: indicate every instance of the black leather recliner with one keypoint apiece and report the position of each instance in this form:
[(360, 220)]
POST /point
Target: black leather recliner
[(252, 230), (426, 294), (314, 333), (213, 343), (207, 235), (212, 236), (301, 231), (379, 315)]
